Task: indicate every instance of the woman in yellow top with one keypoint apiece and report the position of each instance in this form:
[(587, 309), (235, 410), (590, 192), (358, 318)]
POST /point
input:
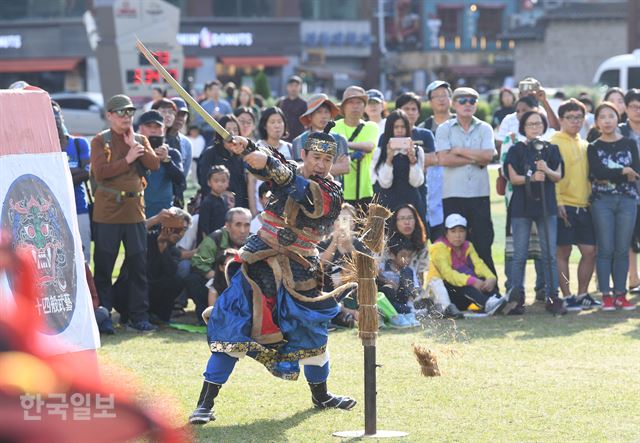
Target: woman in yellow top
[(456, 267)]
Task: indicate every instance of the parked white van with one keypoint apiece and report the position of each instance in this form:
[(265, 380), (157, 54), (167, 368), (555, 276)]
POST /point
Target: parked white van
[(621, 70)]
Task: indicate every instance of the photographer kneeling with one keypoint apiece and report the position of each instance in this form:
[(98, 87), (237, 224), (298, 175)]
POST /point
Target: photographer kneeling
[(164, 230), (533, 168)]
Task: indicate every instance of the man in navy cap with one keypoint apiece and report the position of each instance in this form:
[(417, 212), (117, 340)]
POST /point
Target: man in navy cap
[(160, 183)]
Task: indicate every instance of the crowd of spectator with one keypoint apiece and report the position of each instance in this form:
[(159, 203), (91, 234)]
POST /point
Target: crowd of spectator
[(560, 190)]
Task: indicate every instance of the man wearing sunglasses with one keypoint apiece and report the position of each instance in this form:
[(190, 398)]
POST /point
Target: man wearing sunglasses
[(465, 146), (119, 160)]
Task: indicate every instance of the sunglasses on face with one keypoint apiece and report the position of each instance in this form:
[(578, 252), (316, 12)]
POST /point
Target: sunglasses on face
[(122, 112), (465, 100)]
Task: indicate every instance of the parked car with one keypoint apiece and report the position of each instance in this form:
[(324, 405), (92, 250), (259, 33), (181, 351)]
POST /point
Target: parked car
[(83, 112), (621, 70)]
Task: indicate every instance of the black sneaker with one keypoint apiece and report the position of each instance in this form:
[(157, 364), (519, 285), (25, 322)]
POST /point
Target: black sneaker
[(201, 416), (541, 295), (589, 302), (572, 303), (141, 326)]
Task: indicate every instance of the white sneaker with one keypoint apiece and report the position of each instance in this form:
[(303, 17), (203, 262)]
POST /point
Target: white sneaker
[(494, 304)]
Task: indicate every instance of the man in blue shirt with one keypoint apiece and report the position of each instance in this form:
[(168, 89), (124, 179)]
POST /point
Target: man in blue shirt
[(465, 146), (215, 106), (77, 149), (158, 194)]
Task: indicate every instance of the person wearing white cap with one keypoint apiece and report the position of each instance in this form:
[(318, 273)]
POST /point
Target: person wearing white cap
[(465, 147), (439, 95), (455, 264)]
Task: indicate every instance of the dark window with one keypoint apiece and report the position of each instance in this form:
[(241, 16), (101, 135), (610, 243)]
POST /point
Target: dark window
[(633, 78), (332, 9), (12, 9), (75, 103), (610, 78), (451, 21), (489, 22), (243, 8)]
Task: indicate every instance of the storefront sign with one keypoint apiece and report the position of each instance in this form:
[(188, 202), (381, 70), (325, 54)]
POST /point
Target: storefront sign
[(208, 39), (155, 23), (218, 37), (10, 41)]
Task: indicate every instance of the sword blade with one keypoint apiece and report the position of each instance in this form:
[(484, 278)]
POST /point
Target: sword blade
[(182, 93)]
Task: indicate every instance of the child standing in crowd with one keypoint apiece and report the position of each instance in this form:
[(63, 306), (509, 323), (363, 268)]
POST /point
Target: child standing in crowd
[(214, 207), (466, 277), (614, 169)]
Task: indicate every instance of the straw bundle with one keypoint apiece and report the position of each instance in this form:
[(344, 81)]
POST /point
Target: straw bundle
[(427, 360), (373, 236), (368, 324)]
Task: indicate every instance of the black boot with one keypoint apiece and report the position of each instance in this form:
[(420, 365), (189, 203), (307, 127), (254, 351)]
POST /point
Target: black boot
[(323, 399), (515, 303), (203, 413)]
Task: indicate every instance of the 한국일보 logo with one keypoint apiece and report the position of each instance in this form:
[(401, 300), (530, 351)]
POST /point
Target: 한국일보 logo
[(35, 219)]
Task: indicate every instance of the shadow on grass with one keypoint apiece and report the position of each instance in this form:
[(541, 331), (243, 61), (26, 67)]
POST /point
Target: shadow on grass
[(261, 430)]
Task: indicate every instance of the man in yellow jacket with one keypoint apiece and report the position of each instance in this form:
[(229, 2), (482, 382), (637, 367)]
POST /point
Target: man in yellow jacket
[(575, 226)]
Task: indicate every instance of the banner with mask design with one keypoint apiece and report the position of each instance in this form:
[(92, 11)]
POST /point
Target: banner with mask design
[(37, 208)]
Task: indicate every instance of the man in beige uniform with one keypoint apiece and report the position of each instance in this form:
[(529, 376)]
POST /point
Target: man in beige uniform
[(119, 162)]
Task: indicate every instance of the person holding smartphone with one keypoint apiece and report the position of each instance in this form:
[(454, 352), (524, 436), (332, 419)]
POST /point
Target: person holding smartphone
[(158, 194), (398, 165)]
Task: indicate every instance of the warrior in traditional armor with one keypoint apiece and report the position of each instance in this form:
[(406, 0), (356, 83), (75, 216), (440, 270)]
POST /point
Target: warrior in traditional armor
[(274, 310)]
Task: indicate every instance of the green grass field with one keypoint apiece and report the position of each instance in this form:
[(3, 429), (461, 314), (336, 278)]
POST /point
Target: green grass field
[(504, 379)]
